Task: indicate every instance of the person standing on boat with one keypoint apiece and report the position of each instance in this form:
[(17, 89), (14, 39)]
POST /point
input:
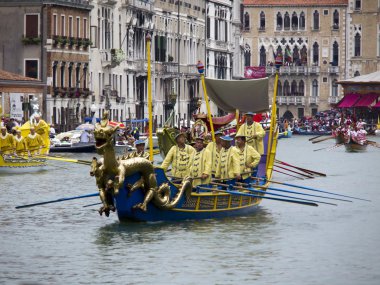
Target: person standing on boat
[(228, 165), (6, 142), (40, 125), (139, 152), (20, 144), (214, 149), (34, 142), (253, 132), (249, 158), (179, 156), (200, 169)]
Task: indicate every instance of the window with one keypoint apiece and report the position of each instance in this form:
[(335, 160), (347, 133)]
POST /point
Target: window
[(296, 56), (304, 55), (55, 74), (302, 21), (357, 73), (63, 74), (85, 28), (286, 21), (294, 21), (63, 25), (358, 4), (335, 59), (286, 88), (301, 113), (263, 57), (262, 21), (314, 92), (31, 26), (78, 28), (208, 27), (326, 12), (378, 40), (315, 53), (334, 88), (246, 21), (357, 45), (316, 20), (160, 48), (247, 55), (71, 74), (71, 26), (279, 88), (55, 25), (31, 68), (279, 21), (336, 20), (301, 89), (293, 88)]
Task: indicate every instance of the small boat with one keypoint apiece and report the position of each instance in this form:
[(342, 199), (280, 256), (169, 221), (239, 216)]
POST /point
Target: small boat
[(355, 147), (73, 147), (307, 132), (18, 164), (286, 134)]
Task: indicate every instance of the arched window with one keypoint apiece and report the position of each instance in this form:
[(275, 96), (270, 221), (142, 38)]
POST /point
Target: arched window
[(294, 21), (302, 21), (314, 92), (315, 53), (279, 89), (286, 88), (247, 55), (279, 21), (357, 73), (293, 89), (357, 43), (316, 20), (263, 56), (336, 20), (296, 56), (63, 74), (286, 21), (262, 20), (301, 88), (55, 74), (246, 21), (304, 55), (335, 59), (334, 88)]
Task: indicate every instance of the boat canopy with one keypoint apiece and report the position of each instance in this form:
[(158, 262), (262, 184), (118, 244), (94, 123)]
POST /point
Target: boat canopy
[(243, 95)]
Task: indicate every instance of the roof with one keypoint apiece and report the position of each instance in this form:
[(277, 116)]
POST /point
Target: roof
[(5, 75), (295, 2), (371, 78)]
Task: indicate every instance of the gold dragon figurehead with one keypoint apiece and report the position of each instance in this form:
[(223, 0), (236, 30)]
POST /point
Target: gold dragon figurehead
[(104, 134)]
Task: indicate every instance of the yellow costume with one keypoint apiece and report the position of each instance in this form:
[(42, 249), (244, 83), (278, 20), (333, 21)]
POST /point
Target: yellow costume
[(249, 132), (143, 154), (215, 154), (20, 145), (6, 143), (42, 127), (248, 158), (180, 159), (33, 143), (201, 164), (228, 165)]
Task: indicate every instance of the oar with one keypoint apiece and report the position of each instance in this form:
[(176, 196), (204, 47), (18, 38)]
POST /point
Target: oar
[(329, 147), (58, 200), (311, 189), (313, 138), (93, 204), (302, 169), (85, 162), (373, 143), (259, 196), (270, 193), (288, 174), (299, 173), (324, 139), (294, 192)]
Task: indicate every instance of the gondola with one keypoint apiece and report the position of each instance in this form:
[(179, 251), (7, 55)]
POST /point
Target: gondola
[(355, 147), (75, 147)]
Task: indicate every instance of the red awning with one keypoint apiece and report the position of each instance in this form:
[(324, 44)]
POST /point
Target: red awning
[(377, 105), (366, 100), (349, 100)]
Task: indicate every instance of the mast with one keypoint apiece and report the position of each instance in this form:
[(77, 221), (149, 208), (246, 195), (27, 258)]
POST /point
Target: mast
[(148, 44)]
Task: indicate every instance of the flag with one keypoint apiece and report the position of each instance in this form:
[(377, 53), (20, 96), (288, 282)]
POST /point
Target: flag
[(288, 55)]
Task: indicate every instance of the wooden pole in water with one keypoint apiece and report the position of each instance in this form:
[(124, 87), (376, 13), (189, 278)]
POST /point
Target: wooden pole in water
[(148, 45)]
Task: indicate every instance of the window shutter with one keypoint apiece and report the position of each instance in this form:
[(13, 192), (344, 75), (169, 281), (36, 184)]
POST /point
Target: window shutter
[(31, 26)]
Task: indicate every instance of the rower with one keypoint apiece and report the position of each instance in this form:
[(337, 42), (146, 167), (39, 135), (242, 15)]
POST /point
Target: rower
[(34, 142), (214, 149), (139, 152), (253, 132), (228, 167), (179, 156), (41, 127), (20, 144), (249, 158), (6, 141), (200, 169)]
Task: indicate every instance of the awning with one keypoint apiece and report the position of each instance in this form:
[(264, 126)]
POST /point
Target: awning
[(377, 105), (349, 100), (366, 100)]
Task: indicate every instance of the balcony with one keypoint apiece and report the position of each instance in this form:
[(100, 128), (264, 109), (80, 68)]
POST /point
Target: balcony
[(314, 69), (333, 99), (313, 100), (143, 5), (291, 100), (333, 69), (105, 58)]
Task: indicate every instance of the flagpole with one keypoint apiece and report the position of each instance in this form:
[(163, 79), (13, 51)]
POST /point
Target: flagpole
[(148, 42)]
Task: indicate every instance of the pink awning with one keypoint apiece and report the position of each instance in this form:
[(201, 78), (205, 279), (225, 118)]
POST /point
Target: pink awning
[(349, 100), (366, 100), (377, 105)]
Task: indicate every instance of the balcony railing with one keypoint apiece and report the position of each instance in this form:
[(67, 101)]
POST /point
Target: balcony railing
[(333, 69), (298, 70), (313, 100), (333, 99), (291, 100), (314, 69)]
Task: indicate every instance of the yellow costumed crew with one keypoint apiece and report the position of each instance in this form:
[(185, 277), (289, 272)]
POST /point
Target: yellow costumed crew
[(6, 142), (229, 164), (253, 132), (200, 169), (139, 152), (41, 126), (34, 142), (20, 143), (214, 148), (179, 156), (248, 156)]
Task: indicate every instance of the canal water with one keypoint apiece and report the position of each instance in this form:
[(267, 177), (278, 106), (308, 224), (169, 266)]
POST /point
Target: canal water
[(66, 243)]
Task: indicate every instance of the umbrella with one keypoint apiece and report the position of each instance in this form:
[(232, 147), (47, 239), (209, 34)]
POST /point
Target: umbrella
[(85, 127)]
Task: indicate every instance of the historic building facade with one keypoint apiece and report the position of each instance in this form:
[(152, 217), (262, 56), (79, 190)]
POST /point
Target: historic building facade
[(310, 38)]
